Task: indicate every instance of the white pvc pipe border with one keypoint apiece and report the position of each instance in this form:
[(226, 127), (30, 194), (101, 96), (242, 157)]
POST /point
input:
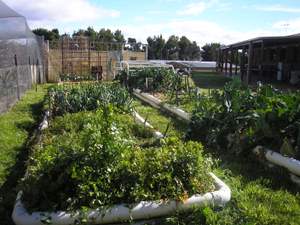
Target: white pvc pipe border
[(156, 103), (276, 158), (121, 213), (140, 119)]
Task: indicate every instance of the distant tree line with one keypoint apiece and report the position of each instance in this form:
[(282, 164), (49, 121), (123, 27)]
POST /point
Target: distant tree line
[(175, 48)]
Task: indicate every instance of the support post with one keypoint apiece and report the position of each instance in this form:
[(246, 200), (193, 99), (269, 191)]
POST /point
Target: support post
[(89, 55), (62, 56), (219, 61), (231, 61), (226, 62), (242, 67), (249, 68), (236, 61), (261, 69), (17, 77), (222, 61)]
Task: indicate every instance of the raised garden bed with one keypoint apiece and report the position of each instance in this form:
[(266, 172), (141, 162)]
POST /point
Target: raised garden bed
[(102, 160)]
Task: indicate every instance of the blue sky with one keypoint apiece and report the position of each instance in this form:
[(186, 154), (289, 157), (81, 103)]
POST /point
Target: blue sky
[(204, 21)]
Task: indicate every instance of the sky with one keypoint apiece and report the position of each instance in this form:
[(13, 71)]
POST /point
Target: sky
[(203, 21)]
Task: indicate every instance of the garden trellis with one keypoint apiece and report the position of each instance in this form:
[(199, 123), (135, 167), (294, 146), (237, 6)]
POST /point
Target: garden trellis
[(20, 57)]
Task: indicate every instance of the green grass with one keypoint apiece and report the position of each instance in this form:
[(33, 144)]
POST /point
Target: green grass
[(209, 80), (16, 126), (259, 195), (160, 121)]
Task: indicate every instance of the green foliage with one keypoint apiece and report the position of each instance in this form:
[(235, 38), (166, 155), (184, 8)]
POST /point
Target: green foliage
[(174, 48), (91, 160), (159, 79), (238, 119), (272, 200), (76, 78), (82, 97), (50, 35), (210, 52)]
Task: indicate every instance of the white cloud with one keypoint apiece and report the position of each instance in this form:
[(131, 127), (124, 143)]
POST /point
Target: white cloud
[(49, 11), (278, 8), (198, 7), (193, 9)]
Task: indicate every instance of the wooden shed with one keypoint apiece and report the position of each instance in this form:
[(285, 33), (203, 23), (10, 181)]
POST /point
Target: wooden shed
[(265, 59)]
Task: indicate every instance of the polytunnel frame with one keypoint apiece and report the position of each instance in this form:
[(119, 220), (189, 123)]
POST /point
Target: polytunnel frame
[(21, 57)]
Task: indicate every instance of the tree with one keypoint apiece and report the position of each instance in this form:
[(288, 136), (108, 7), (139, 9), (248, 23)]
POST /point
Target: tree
[(105, 35), (156, 47), (210, 52), (119, 37), (50, 35), (90, 32), (184, 48), (195, 51), (171, 49)]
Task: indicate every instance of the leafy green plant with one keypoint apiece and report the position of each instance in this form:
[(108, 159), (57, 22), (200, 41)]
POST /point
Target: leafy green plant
[(159, 79), (238, 119), (92, 160), (81, 97)]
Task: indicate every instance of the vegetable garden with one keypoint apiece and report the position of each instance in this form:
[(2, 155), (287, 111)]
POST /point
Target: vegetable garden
[(95, 156), (98, 163)]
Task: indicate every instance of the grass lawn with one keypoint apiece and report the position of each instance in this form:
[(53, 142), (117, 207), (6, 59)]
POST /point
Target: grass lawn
[(259, 195), (160, 121), (208, 80), (16, 127)]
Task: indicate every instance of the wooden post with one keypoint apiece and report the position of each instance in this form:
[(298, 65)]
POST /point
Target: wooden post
[(242, 67), (81, 45), (222, 61), (17, 73), (249, 69), (231, 61), (89, 55), (261, 60), (236, 61), (219, 61), (62, 56), (226, 62)]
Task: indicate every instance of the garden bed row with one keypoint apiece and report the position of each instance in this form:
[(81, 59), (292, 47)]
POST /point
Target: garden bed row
[(101, 167)]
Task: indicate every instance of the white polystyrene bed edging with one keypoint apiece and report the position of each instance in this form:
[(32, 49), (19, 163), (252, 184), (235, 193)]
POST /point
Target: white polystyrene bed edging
[(155, 102), (138, 118), (122, 213)]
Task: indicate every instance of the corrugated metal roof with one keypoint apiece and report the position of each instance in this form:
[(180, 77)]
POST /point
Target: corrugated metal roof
[(295, 37)]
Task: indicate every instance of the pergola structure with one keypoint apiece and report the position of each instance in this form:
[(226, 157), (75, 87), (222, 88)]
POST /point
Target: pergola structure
[(264, 58)]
